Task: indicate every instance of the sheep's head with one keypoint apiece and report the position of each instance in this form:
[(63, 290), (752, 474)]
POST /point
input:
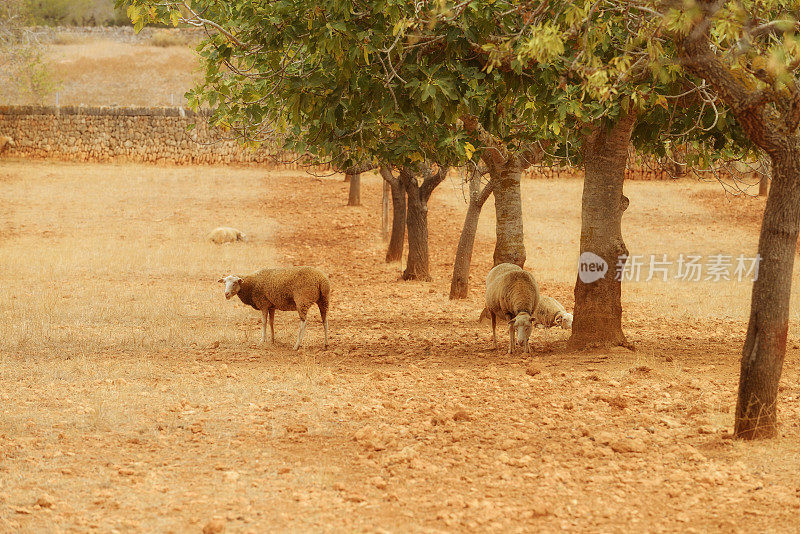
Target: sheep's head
[(232, 285), (523, 325), (564, 320), (241, 236)]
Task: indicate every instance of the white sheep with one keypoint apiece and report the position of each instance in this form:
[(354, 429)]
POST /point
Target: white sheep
[(286, 289), (226, 234), (513, 294), (551, 313)]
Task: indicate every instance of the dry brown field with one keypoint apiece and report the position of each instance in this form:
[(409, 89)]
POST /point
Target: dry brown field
[(94, 71), (135, 398)]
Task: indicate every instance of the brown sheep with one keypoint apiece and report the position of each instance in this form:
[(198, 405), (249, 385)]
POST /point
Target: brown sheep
[(513, 294), (291, 288)]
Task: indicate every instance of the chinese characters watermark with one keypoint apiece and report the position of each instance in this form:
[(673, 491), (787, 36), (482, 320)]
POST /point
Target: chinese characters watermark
[(687, 268)]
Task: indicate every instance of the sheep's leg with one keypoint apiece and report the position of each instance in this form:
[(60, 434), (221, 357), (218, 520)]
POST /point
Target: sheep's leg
[(494, 329), (264, 327), (511, 343), (272, 323), (300, 335), (323, 311)]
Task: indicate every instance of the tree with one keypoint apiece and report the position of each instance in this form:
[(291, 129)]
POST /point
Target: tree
[(750, 54), (418, 263), (354, 195), (394, 252), (478, 195)]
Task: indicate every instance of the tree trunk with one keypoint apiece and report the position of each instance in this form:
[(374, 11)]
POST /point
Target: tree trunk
[(387, 191), (765, 345), (510, 244), (598, 304), (459, 285), (394, 251), (354, 199), (418, 262)]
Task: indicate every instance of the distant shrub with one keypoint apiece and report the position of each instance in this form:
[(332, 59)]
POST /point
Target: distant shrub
[(77, 13), (168, 38)]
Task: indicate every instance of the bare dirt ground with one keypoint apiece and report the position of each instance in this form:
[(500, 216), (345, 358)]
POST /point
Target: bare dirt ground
[(136, 399)]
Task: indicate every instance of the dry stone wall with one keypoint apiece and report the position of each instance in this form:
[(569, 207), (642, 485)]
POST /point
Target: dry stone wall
[(120, 134)]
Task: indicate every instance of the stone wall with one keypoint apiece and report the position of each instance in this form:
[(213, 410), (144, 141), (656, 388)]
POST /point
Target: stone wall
[(121, 134)]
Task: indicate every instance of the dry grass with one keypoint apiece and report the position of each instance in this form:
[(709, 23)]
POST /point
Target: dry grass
[(137, 399), (120, 263), (105, 72)]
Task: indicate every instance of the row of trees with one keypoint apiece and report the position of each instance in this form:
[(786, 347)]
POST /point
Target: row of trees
[(419, 87)]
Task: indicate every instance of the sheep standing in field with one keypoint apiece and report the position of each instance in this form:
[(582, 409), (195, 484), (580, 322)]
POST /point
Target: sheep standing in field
[(291, 288), (6, 142), (551, 313), (513, 294), (225, 234)]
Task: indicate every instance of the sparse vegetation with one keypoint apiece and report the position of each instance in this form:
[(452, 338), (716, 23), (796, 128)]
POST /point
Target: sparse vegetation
[(77, 13), (169, 38)]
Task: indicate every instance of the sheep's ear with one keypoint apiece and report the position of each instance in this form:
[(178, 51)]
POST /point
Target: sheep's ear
[(511, 321), (221, 280)]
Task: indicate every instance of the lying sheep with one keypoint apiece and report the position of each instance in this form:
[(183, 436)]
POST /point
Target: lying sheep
[(291, 288), (6, 142), (551, 313), (225, 234), (512, 293)]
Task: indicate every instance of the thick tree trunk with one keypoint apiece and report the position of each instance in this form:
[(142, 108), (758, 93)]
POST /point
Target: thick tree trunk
[(598, 304), (459, 285), (510, 244), (418, 262), (386, 194), (354, 198), (772, 125), (765, 344), (394, 251)]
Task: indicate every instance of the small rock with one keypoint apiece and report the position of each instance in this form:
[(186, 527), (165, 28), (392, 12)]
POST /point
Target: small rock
[(283, 470), (533, 369), (45, 501), (296, 429), (378, 482), (539, 510), (214, 526), (461, 415), (628, 445)]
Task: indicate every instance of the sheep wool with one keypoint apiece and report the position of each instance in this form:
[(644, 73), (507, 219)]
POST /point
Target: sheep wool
[(226, 234), (285, 289), (551, 313), (512, 294)]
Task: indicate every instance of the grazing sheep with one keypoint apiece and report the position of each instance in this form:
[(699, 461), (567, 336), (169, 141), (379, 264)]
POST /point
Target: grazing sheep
[(291, 288), (512, 293), (551, 313), (5, 142), (225, 234)]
